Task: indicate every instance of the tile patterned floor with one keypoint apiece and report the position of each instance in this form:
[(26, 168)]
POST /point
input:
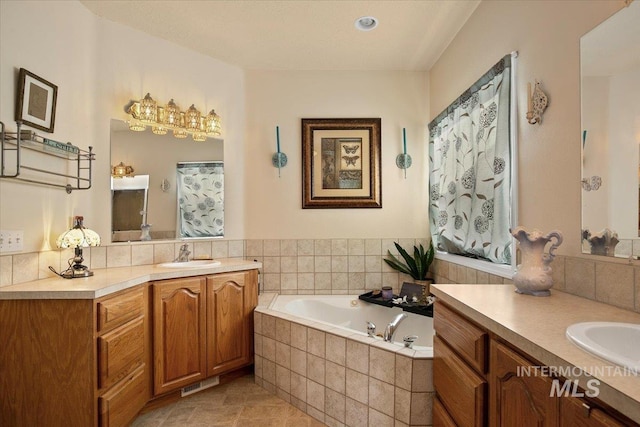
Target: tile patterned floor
[(240, 403)]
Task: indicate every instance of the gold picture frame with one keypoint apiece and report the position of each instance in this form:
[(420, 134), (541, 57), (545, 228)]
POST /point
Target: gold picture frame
[(341, 163), (36, 101)]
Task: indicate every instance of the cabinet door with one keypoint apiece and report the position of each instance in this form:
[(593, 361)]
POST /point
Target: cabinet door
[(179, 333), (575, 413), (522, 400), (231, 299)]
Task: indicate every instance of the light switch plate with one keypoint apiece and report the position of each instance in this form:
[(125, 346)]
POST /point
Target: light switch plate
[(11, 240)]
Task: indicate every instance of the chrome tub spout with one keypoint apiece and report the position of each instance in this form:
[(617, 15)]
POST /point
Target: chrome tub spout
[(392, 326)]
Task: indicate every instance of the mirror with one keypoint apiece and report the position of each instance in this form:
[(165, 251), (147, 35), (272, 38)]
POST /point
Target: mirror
[(157, 156), (129, 208), (610, 84)]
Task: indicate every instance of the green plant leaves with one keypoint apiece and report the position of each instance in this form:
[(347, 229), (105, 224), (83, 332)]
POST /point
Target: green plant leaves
[(416, 266)]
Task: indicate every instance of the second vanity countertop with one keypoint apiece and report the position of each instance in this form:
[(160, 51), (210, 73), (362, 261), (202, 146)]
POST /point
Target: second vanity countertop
[(537, 326), (106, 281)]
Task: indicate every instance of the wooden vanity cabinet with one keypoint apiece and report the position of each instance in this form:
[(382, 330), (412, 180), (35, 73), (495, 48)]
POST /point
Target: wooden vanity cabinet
[(203, 326)]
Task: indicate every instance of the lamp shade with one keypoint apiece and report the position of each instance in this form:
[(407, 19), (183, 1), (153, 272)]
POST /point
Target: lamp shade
[(78, 236)]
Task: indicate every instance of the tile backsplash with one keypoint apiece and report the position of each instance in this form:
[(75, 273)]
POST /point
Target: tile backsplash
[(332, 266)]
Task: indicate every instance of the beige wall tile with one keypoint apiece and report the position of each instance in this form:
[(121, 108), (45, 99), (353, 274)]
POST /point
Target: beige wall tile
[(257, 367), (355, 247), (580, 277), (356, 282), (356, 413), (271, 248), (269, 348), (403, 405), (334, 405), (558, 273), (6, 270), (119, 256), (305, 247), (299, 336), (421, 409), (358, 356), (373, 263), (379, 419), (356, 263), (283, 354), (339, 247), (289, 247), (269, 326), (289, 282), (422, 376), (315, 395), (283, 331), (46, 259), (615, 284), (299, 361), (254, 248), (322, 247), (163, 252), (141, 254), (339, 282), (271, 282), (404, 371), (269, 371), (316, 342), (299, 386), (335, 377), (306, 263), (637, 288), (381, 396), (315, 413), (25, 267), (322, 282), (358, 386), (283, 378), (316, 368), (201, 250), (336, 349), (382, 365), (221, 249), (289, 264), (339, 263), (271, 264), (322, 264), (306, 282)]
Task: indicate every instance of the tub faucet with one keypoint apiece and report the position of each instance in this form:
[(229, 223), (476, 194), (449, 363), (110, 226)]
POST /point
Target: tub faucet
[(371, 329), (183, 255), (391, 327)]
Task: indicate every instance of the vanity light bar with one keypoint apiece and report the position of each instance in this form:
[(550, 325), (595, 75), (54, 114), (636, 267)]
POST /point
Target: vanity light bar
[(146, 113)]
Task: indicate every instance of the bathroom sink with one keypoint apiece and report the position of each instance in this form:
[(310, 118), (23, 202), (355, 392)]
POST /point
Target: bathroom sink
[(618, 343), (190, 264)]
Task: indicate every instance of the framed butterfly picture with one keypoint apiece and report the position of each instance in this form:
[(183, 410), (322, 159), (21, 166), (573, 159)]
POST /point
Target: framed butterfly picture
[(341, 163)]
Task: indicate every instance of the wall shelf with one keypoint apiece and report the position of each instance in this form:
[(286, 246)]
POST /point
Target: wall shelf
[(15, 145)]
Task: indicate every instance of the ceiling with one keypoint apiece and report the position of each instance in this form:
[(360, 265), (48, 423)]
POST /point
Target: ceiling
[(300, 34)]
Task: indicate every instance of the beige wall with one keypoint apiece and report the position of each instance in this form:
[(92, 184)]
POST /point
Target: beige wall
[(282, 98), (99, 66), (546, 34)]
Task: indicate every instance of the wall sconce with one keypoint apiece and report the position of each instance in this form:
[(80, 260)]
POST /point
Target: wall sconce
[(77, 237), (403, 160), (279, 159), (536, 103), (146, 112), (121, 170)]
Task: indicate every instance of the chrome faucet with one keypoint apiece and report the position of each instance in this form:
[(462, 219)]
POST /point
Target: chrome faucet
[(391, 327), (371, 329), (183, 255)]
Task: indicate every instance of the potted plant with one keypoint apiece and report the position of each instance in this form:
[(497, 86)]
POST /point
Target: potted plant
[(416, 266)]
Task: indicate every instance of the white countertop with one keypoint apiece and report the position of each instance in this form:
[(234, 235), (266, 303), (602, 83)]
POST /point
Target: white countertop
[(109, 280), (537, 326)]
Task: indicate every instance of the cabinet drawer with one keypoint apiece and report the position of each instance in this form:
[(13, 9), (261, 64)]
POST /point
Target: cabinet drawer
[(469, 341), (573, 413), (460, 389), (121, 404), (118, 310), (120, 351)]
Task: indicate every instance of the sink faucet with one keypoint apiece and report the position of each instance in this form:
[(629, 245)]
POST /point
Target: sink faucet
[(183, 256), (391, 327)]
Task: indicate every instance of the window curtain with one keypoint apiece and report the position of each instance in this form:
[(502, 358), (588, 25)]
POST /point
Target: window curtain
[(470, 170), (200, 188)]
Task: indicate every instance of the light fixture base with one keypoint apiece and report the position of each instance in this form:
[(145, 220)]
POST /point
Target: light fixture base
[(74, 273)]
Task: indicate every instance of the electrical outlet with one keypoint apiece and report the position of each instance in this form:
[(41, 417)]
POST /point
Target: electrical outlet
[(11, 240)]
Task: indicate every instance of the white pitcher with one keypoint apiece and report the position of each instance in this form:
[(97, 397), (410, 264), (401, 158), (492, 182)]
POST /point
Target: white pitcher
[(533, 276)]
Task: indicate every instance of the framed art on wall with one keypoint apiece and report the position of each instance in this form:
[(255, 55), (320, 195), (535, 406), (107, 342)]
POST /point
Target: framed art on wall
[(36, 101), (341, 163)]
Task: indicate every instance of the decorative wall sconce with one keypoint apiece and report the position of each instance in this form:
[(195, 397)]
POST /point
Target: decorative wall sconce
[(591, 183), (121, 170), (536, 103), (146, 112), (279, 159), (403, 160)]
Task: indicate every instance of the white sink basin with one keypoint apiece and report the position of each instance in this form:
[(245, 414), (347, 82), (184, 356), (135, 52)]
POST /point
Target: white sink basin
[(190, 264), (618, 343)]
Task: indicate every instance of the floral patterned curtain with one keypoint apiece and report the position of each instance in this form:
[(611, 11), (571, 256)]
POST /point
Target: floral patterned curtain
[(200, 199), (470, 169)]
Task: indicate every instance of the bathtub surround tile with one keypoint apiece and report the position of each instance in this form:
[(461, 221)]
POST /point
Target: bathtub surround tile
[(339, 263), (270, 387), (322, 247), (269, 348), (283, 379), (271, 264), (289, 282), (356, 413), (289, 264), (332, 422), (356, 283), (379, 419), (335, 377), (374, 281), (269, 326), (299, 387), (373, 264), (305, 247), (358, 356), (356, 263), (299, 361), (257, 366), (322, 263), (315, 395), (299, 404), (381, 396), (254, 248), (339, 247), (356, 247), (283, 354), (306, 264), (282, 395), (299, 336), (336, 349), (421, 409), (404, 371), (422, 376), (283, 331), (305, 283), (382, 365), (257, 322), (358, 386), (271, 282), (271, 248), (288, 247), (615, 284), (316, 342), (335, 405), (403, 405), (322, 283), (315, 413), (257, 344), (269, 372), (316, 368), (373, 247)]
